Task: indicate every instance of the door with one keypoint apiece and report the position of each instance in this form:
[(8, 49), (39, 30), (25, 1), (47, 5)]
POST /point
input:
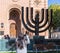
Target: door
[(13, 30)]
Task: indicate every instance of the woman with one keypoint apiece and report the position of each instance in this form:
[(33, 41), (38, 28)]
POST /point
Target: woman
[(21, 44)]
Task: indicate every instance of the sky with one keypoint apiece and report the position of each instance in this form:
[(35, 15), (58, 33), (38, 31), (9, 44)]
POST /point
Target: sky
[(53, 2)]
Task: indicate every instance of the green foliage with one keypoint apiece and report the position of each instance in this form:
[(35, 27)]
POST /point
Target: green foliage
[(56, 15), (35, 52)]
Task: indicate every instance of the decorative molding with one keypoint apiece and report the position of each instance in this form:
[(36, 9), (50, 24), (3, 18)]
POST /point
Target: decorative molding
[(37, 2), (14, 0)]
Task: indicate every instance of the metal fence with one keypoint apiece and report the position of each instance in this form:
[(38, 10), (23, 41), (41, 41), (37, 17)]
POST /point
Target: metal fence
[(3, 45)]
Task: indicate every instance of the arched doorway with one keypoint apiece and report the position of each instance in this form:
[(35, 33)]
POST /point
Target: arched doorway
[(12, 29), (14, 15)]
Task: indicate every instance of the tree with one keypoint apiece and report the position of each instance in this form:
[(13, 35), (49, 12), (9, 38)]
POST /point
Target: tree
[(56, 15)]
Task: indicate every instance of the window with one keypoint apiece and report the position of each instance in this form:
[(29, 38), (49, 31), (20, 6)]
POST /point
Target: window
[(1, 32), (2, 25)]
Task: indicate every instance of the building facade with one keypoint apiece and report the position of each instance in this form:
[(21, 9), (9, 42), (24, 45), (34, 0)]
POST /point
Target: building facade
[(10, 15)]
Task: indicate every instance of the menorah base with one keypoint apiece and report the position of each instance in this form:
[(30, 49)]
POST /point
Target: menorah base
[(38, 39)]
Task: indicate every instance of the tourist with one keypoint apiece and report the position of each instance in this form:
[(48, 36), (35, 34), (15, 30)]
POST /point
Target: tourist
[(21, 43), (26, 37), (7, 36)]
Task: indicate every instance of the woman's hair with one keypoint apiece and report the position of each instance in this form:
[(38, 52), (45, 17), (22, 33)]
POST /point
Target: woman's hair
[(27, 32)]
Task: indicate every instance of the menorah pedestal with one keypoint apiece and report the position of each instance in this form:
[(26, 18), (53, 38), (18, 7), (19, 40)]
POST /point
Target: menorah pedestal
[(38, 39), (38, 43)]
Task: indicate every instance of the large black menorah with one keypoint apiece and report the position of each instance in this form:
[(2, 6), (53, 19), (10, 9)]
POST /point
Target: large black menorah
[(45, 14)]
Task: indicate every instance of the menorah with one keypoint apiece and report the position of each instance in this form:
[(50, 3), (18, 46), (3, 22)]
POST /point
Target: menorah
[(45, 14)]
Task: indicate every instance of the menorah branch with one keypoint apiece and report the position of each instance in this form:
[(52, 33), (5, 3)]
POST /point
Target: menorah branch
[(46, 19), (42, 16), (27, 18), (31, 14), (24, 22), (49, 23)]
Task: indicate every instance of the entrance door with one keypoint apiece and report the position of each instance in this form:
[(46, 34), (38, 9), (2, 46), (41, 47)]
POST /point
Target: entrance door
[(13, 30), (14, 15)]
